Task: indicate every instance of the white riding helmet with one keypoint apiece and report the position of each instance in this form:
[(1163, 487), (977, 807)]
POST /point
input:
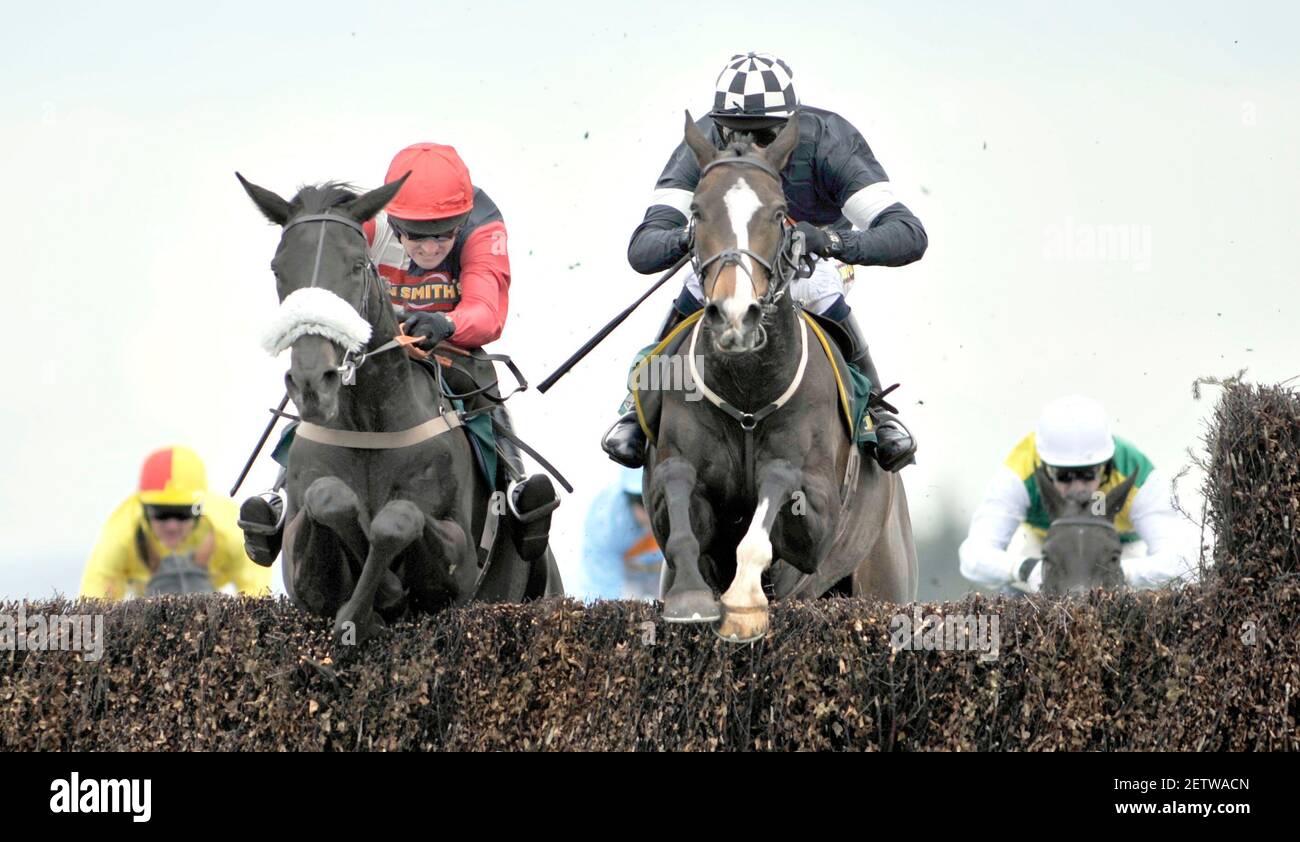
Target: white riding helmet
[(1073, 431)]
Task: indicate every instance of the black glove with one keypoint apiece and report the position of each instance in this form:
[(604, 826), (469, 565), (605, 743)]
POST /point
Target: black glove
[(682, 239), (817, 241), (434, 327)]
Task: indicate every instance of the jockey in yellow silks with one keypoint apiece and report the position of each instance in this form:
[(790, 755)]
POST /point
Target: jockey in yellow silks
[(172, 536)]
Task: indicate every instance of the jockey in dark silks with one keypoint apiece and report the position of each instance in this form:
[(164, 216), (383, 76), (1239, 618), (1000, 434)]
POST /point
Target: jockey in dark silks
[(836, 190), (440, 246)]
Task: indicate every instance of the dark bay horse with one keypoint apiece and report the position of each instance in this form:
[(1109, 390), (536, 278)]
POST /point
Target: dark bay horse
[(1082, 549), (385, 501), (797, 493)]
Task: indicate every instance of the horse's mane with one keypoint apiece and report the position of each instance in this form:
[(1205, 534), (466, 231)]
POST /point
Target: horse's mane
[(740, 145), (318, 198)]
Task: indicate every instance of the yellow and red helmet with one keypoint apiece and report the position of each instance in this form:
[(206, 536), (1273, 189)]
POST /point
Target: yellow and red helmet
[(438, 187), (173, 476)]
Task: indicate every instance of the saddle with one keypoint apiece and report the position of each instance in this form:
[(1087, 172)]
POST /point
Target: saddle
[(853, 387)]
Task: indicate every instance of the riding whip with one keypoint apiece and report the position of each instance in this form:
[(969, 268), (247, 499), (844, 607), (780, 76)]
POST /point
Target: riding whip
[(276, 414), (607, 329)]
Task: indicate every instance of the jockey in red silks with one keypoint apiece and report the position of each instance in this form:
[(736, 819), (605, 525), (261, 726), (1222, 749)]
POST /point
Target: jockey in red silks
[(440, 246)]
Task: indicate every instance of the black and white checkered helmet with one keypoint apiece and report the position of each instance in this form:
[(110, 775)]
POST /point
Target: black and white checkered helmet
[(755, 85)]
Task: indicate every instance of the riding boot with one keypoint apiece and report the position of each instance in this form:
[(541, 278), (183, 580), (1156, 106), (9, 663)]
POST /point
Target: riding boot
[(262, 520), (625, 441), (895, 446), (530, 499)]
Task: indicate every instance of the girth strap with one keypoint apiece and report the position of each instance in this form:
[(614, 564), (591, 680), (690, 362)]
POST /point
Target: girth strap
[(379, 441)]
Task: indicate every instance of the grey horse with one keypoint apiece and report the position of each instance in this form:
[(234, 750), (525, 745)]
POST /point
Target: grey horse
[(1082, 549)]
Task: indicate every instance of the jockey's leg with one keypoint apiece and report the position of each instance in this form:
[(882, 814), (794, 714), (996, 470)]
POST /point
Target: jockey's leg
[(261, 517), (625, 441), (823, 294), (531, 499), (895, 447)]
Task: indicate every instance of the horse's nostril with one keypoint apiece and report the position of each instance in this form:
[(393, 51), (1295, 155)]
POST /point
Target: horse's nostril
[(712, 311)]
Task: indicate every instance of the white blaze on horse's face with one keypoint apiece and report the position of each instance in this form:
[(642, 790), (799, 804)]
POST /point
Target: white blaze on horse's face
[(742, 203)]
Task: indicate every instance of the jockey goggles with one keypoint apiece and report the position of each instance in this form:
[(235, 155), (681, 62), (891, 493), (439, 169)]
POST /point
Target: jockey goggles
[(1085, 473), (173, 512), (416, 237), (761, 137)]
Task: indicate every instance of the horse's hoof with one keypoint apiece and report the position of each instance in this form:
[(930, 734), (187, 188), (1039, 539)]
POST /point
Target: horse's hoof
[(691, 607), (743, 625), (352, 631)]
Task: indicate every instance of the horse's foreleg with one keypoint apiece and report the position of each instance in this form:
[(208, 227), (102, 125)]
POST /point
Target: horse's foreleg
[(745, 604), (688, 598), (394, 527), (320, 558), (442, 566)]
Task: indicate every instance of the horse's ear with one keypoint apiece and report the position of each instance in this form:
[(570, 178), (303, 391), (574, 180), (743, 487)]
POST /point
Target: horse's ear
[(1118, 496), (779, 152), (272, 206), (704, 150), (365, 206), (1052, 499)]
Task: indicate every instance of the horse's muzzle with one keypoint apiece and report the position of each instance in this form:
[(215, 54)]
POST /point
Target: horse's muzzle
[(313, 379), (732, 334)]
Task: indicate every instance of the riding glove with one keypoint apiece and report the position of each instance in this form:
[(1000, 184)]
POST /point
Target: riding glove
[(820, 241), (434, 327), (1022, 574)]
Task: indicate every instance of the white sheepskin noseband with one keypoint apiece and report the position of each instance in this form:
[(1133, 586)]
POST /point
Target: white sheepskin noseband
[(317, 311)]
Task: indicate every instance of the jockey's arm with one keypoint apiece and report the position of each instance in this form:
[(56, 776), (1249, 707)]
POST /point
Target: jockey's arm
[(984, 556), (885, 232), (889, 236), (105, 574), (1170, 538), (108, 568), (484, 287), (658, 242)]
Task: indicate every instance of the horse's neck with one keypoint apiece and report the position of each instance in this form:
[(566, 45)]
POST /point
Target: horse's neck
[(384, 396), (752, 381)]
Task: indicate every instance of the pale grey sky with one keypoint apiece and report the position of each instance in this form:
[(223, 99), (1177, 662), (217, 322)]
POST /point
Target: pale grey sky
[(138, 282)]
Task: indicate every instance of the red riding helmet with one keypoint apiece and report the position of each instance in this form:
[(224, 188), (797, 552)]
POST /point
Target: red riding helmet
[(438, 188)]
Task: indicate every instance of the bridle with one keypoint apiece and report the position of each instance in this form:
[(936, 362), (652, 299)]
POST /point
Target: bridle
[(788, 262), (351, 359)]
